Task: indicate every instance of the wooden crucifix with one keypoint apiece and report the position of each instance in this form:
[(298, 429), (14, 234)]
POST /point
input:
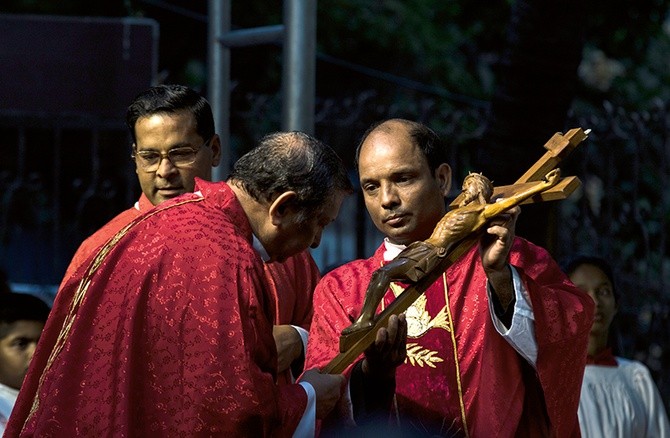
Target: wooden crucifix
[(422, 263)]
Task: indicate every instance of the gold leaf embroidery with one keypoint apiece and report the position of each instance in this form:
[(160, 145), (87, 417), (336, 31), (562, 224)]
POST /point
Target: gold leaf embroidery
[(417, 355)]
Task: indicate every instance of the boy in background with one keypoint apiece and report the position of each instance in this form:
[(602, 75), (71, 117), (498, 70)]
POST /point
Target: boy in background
[(22, 319)]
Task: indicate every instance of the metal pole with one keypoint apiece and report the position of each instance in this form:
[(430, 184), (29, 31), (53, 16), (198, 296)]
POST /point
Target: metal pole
[(218, 80), (298, 70), (254, 36)]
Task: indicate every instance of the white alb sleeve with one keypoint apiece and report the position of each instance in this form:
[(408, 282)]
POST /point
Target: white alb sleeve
[(521, 333), (307, 426)]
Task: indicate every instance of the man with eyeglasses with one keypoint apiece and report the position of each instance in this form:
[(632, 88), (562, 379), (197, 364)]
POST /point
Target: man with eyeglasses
[(174, 142), (167, 329)]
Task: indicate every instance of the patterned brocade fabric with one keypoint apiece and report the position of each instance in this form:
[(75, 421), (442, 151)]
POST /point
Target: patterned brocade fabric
[(157, 336), (100, 237), (291, 287), (461, 378), (291, 283)]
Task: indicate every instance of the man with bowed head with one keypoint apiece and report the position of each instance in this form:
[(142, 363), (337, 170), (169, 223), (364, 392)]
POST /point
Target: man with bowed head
[(495, 347), (174, 142), (169, 329)]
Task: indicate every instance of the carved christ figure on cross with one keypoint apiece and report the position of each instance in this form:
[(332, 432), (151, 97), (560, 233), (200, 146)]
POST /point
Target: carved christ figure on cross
[(420, 258)]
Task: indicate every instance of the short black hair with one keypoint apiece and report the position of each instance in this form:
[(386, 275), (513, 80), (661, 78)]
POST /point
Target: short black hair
[(292, 161), (20, 307), (171, 98)]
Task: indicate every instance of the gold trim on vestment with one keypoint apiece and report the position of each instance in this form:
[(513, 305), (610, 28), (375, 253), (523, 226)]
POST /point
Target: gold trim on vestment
[(448, 324), (81, 292), (456, 365)]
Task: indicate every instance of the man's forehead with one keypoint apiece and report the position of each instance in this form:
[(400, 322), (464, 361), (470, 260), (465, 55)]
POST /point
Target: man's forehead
[(390, 150), (393, 129), (167, 131), (161, 121), (385, 143)]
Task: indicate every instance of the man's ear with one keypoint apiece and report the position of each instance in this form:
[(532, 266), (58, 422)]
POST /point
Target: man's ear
[(134, 146), (443, 176), (215, 145), (281, 208)]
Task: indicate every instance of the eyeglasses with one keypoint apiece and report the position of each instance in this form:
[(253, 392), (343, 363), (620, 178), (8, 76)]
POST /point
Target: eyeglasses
[(149, 161)]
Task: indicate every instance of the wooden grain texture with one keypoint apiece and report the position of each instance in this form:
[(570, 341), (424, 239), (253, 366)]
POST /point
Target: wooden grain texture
[(558, 147)]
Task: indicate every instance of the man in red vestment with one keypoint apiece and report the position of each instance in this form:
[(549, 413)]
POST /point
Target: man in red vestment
[(169, 329), (495, 347), (169, 117)]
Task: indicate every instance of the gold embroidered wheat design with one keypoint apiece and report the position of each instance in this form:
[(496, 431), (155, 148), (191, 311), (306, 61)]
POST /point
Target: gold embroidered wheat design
[(420, 356)]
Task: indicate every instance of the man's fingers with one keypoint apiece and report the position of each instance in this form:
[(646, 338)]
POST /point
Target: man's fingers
[(402, 337), (402, 323), (380, 340), (391, 339), (392, 328)]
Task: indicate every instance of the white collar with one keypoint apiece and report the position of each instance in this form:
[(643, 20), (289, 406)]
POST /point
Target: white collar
[(391, 250)]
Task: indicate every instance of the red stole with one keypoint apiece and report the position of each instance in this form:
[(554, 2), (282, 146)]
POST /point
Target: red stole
[(499, 392), (456, 356)]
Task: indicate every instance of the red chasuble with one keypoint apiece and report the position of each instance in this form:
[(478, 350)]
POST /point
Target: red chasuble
[(100, 237), (291, 287), (461, 378), (168, 332), (291, 283)]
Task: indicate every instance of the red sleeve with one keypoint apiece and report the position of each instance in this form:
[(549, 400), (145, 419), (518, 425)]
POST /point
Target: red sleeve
[(563, 318), (306, 277)]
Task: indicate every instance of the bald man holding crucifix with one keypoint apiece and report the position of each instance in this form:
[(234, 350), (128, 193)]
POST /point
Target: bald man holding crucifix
[(486, 339)]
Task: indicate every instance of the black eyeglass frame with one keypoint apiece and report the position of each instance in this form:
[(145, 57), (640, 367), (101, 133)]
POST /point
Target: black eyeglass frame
[(160, 156)]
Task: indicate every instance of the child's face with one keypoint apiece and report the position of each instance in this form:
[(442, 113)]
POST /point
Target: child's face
[(16, 350)]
